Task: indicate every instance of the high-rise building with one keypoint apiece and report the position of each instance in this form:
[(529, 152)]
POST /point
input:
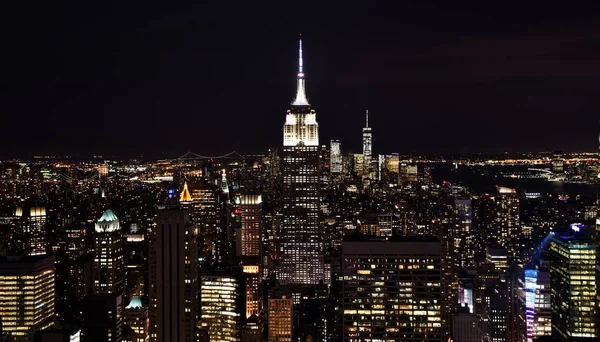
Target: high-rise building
[(219, 299), (463, 237), (253, 280), (109, 268), (26, 295), (535, 298), (336, 156), (103, 318), (300, 240), (573, 286), (508, 220), (392, 289), (206, 214), (367, 143), (251, 208), (173, 277), (281, 312), (32, 222), (135, 316)]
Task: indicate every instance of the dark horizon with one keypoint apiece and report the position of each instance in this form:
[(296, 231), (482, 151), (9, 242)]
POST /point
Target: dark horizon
[(158, 81)]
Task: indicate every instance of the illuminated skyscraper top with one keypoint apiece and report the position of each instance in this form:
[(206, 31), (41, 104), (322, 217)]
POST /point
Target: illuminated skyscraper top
[(185, 194), (300, 99), (301, 127)]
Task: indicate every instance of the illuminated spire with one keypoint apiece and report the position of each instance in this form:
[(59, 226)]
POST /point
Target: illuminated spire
[(185, 194), (367, 118), (224, 185), (300, 99)]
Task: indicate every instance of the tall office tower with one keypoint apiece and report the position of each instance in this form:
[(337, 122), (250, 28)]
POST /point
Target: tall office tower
[(253, 280), (367, 141), (464, 233), (497, 307), (486, 277), (173, 277), (219, 301), (392, 289), (300, 240), (558, 162), (573, 285), (508, 222), (32, 221), (26, 295), (135, 316), (465, 327), (108, 260), (206, 214), (336, 156), (251, 208), (103, 318), (535, 297), (281, 312), (358, 164)]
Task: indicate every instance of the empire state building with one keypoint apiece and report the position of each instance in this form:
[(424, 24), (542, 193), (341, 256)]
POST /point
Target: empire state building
[(300, 238)]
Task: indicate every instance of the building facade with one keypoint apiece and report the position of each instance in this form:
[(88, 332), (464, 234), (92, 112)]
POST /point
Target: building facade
[(251, 208), (392, 289), (27, 295), (336, 156), (281, 311), (219, 299), (173, 277), (573, 286)]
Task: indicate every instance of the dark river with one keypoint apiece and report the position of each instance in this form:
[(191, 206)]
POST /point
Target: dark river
[(483, 179)]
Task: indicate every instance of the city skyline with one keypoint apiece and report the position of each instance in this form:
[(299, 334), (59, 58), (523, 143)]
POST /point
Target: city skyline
[(434, 77), (407, 228)]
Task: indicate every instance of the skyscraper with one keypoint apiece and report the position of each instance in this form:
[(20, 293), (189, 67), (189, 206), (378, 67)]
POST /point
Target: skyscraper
[(251, 207), (336, 156), (573, 286), (108, 260), (173, 277), (535, 298), (32, 221), (219, 294), (367, 148), (300, 240), (392, 289), (508, 220), (280, 319), (26, 295)]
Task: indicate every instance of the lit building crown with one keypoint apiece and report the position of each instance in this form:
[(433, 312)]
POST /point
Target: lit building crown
[(108, 222), (185, 194)]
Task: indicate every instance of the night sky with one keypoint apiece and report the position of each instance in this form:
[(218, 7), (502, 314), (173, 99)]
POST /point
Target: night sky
[(132, 79)]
